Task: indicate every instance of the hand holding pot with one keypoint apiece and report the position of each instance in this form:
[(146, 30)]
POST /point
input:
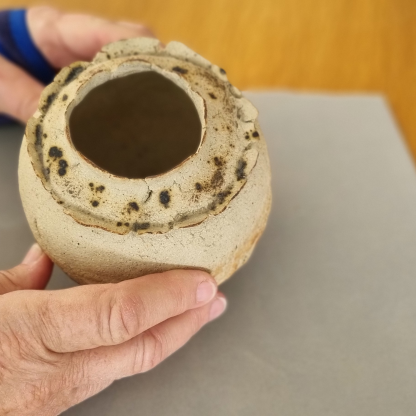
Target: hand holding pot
[(57, 348)]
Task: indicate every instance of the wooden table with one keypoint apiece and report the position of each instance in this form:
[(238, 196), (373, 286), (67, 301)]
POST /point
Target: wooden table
[(326, 45)]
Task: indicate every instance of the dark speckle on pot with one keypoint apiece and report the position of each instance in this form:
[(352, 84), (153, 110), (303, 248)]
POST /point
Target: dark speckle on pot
[(119, 224), (223, 71), (64, 97), (141, 226), (198, 186), (100, 188), (148, 196), (38, 133), (217, 179), (73, 74), (62, 167), (218, 161), (126, 224), (95, 203), (164, 198), (212, 96), (55, 152), (180, 70), (133, 205), (255, 134), (49, 100), (240, 171), (222, 195)]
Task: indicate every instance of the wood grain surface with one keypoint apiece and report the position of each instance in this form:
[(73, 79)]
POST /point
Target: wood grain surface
[(308, 45)]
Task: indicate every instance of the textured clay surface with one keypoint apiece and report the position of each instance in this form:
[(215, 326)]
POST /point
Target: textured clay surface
[(205, 212)]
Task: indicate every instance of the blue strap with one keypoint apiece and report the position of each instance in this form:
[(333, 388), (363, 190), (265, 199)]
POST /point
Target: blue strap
[(17, 46), (4, 52)]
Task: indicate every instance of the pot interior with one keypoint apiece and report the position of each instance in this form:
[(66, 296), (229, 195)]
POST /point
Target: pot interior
[(136, 126)]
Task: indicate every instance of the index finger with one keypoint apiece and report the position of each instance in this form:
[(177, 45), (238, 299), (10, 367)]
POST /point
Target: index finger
[(91, 316)]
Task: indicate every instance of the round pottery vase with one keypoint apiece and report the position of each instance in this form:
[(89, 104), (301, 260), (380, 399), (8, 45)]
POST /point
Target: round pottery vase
[(144, 160)]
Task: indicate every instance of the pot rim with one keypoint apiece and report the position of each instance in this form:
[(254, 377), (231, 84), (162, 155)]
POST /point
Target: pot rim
[(201, 186)]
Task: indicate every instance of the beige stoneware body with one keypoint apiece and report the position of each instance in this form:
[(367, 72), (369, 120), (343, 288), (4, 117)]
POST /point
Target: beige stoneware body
[(206, 213)]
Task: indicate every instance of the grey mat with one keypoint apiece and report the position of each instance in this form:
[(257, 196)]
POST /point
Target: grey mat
[(322, 321)]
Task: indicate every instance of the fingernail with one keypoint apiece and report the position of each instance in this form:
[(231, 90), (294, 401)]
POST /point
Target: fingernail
[(33, 254), (206, 291), (217, 307)]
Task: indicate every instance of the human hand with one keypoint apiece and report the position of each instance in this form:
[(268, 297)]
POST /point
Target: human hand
[(62, 39), (57, 348)]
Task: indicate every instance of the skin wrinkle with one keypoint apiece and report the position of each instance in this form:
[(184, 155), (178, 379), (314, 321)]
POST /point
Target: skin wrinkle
[(7, 277), (137, 364), (31, 363), (119, 309), (133, 313), (153, 350), (179, 295), (75, 369), (115, 322), (102, 328), (47, 325), (5, 350), (18, 350), (197, 321)]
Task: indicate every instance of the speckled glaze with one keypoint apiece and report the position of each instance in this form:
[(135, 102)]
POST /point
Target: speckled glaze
[(206, 213)]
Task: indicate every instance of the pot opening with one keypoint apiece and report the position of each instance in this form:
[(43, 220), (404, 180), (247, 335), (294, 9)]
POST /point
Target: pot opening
[(136, 126)]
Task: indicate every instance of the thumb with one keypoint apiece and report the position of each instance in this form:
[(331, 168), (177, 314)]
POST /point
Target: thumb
[(33, 273)]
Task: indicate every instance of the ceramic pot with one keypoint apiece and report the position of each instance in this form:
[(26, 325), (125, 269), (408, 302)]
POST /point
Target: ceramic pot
[(145, 159)]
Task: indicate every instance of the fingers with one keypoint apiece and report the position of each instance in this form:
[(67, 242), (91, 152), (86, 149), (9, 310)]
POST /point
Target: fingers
[(65, 38), (33, 273), (100, 315), (147, 350), (19, 93), (62, 39)]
